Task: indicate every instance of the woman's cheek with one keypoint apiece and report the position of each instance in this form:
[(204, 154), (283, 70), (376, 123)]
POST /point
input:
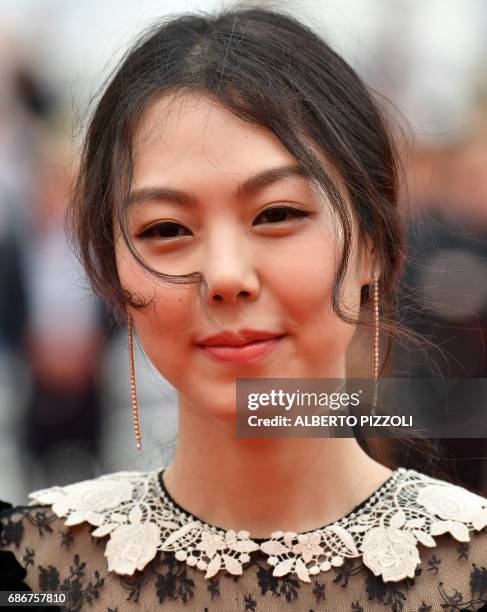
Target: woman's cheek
[(307, 283), (322, 336), (168, 317), (164, 325), (166, 348)]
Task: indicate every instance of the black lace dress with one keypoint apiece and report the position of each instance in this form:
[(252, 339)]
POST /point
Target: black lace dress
[(356, 564)]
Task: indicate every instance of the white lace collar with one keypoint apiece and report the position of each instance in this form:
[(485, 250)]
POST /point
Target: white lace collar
[(141, 519)]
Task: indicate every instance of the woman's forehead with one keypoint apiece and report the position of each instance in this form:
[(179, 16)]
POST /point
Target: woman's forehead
[(186, 134), (186, 129)]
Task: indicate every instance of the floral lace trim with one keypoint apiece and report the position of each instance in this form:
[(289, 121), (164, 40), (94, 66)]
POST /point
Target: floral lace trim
[(141, 520)]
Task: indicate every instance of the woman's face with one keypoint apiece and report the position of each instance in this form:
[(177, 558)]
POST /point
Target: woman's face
[(267, 268)]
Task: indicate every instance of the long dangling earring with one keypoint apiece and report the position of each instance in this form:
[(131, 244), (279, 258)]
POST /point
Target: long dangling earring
[(375, 346), (135, 408)]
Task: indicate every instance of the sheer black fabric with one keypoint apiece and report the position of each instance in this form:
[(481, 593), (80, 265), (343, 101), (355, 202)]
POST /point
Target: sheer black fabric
[(39, 552)]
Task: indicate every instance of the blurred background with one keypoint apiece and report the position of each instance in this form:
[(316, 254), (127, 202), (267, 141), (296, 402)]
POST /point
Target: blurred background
[(65, 411)]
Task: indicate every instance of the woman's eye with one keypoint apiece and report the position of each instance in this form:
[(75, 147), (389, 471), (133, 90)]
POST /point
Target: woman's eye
[(279, 213), (171, 229), (167, 229)]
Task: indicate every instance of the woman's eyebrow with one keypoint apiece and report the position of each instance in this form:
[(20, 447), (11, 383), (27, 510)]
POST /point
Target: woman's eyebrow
[(250, 185)]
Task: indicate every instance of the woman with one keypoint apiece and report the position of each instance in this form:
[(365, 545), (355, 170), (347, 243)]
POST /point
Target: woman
[(239, 187)]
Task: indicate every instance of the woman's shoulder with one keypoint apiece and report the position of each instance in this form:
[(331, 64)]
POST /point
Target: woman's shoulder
[(47, 544), (12, 574), (425, 538), (40, 554), (414, 509), (17, 553), (51, 509)]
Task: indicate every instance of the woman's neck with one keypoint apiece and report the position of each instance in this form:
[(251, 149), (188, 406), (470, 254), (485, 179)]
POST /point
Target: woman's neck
[(264, 485)]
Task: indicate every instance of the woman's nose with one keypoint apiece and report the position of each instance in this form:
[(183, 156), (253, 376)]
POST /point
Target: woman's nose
[(230, 272)]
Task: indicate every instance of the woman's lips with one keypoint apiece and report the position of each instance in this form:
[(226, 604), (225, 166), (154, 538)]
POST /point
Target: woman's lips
[(250, 352)]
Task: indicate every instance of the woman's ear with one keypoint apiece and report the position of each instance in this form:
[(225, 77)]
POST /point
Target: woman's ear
[(369, 262)]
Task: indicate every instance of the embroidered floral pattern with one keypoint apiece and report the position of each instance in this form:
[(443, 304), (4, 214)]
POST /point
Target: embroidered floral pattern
[(133, 509), (131, 547), (390, 552), (454, 503)]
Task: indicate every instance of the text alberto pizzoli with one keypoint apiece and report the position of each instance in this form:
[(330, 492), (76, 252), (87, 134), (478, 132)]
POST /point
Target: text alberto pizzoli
[(332, 420), (319, 420)]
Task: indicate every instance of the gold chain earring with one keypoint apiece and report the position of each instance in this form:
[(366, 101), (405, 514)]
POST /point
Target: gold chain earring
[(375, 341), (135, 408)]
